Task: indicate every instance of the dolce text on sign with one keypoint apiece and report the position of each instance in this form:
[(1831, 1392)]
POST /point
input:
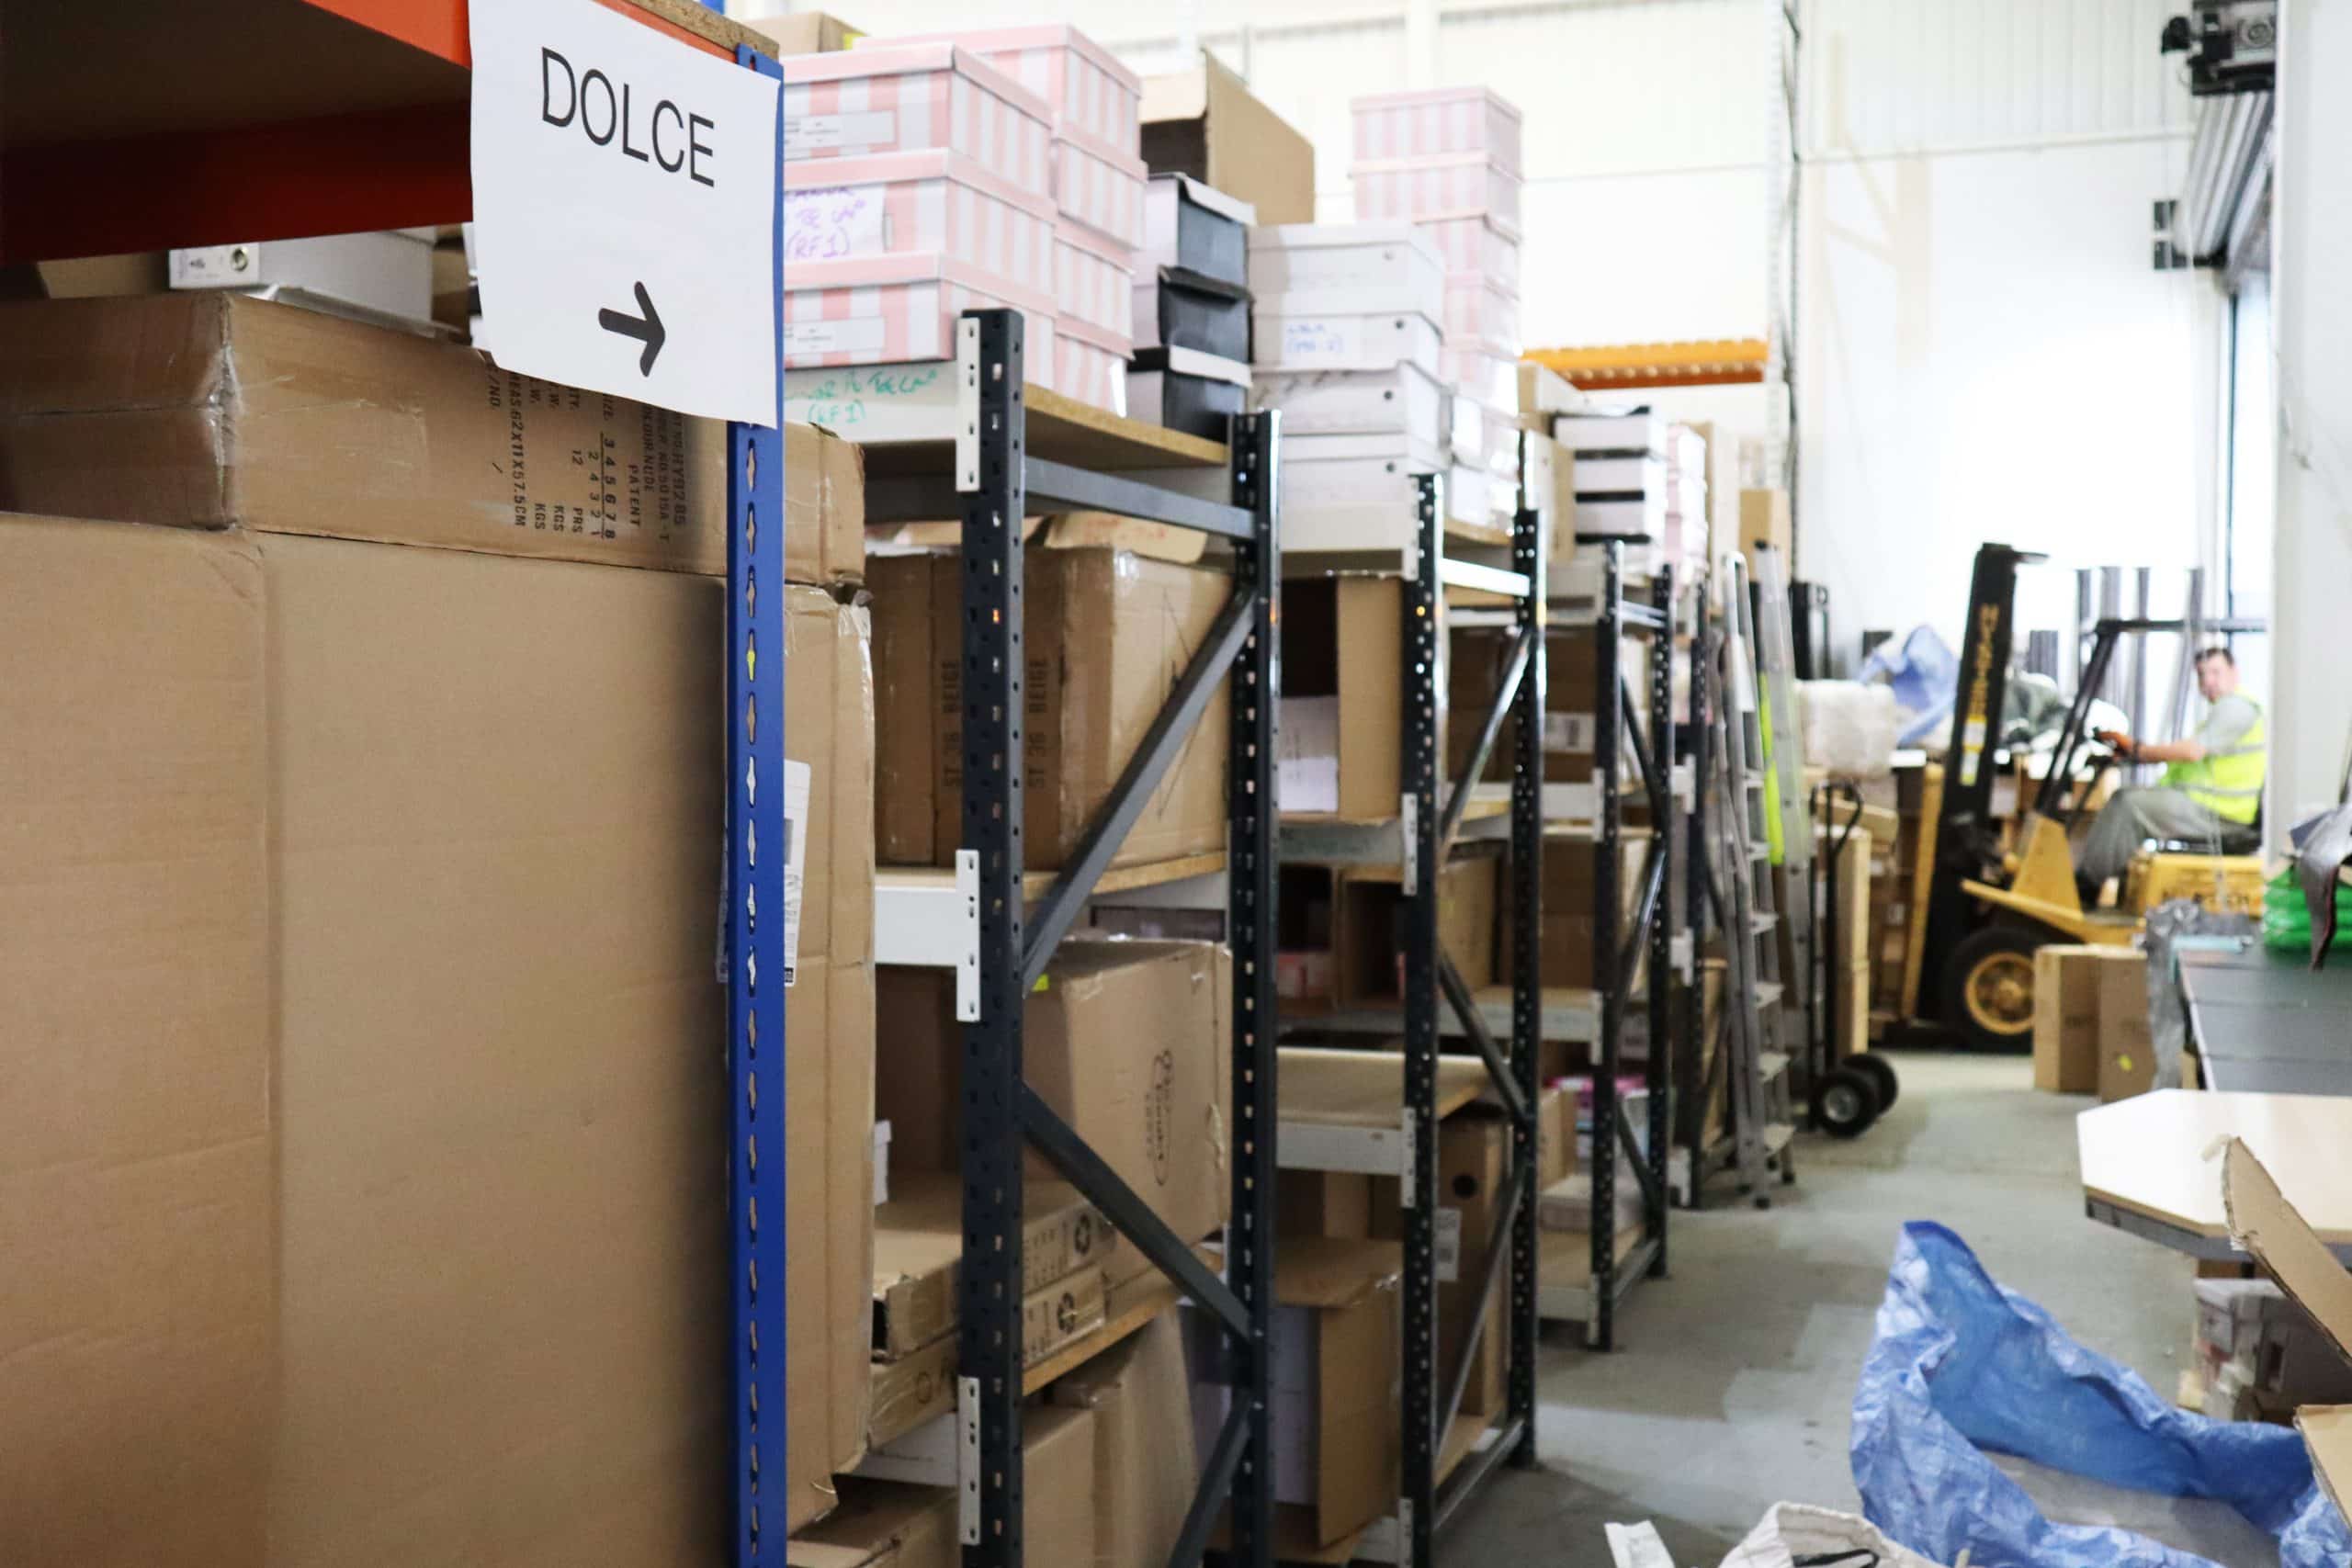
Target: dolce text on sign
[(625, 203)]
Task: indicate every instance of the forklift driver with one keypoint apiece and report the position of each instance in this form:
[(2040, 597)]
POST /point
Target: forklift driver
[(2212, 791)]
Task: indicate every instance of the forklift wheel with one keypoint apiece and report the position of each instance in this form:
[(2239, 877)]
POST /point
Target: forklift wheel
[(1988, 987), (1880, 1072), (1845, 1103)]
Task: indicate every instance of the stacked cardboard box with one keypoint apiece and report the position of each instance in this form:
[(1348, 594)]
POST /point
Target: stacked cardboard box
[(1096, 173), (362, 920), (1896, 827), (1202, 122), (1448, 160), (2090, 1021), (889, 1524)]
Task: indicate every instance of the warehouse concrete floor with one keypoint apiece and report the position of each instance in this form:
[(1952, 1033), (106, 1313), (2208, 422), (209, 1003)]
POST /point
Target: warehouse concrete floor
[(1731, 1389)]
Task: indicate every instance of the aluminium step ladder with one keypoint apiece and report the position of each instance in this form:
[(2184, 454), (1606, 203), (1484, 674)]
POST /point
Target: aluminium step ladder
[(1762, 1116), (1787, 800)]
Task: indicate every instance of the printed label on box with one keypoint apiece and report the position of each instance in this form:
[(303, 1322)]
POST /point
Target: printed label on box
[(830, 132), (795, 859), (863, 334), (1569, 732), (1449, 1245), (1320, 342), (841, 220)]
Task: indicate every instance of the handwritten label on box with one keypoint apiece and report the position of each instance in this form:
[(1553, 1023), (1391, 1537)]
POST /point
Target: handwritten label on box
[(835, 222)]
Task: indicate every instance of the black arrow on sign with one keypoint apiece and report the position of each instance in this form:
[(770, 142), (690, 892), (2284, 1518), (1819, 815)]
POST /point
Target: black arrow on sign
[(646, 327)]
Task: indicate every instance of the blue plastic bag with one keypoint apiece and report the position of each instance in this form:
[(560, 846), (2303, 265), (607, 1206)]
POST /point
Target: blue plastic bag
[(1925, 675), (1958, 1365)]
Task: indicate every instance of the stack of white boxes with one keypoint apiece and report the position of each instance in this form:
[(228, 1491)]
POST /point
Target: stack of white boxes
[(1448, 161), (918, 184), (928, 177), (1346, 344), (1640, 477)]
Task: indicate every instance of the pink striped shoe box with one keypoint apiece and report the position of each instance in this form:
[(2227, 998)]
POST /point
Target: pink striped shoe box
[(1479, 310), (1100, 187), (1083, 83), (1434, 123), (1468, 185), (1094, 284), (888, 309), (914, 98), (936, 202), (1090, 365), (1476, 244)]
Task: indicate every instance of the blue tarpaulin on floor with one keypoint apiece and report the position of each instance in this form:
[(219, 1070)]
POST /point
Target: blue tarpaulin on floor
[(1960, 1366)]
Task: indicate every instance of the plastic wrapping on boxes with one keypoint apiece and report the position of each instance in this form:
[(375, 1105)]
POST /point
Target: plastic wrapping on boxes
[(1961, 1369), (1848, 726)]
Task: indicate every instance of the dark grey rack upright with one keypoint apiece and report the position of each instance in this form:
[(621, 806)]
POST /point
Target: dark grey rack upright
[(996, 482), (1423, 840), (1620, 945)]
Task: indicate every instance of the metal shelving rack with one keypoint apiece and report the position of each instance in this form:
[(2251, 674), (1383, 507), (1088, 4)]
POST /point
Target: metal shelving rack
[(983, 925), (1419, 840), (1622, 945), (374, 132)]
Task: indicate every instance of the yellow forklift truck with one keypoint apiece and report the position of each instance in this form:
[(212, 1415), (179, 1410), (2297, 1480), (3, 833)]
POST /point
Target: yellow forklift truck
[(1986, 907)]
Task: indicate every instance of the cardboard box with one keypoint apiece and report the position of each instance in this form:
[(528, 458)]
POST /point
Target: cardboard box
[(1369, 931), (210, 409), (802, 32), (1129, 1042), (1108, 635), (824, 500), (1204, 123), (2127, 1055), (2066, 1019), (1146, 1469), (1555, 1135), (881, 1524), (1364, 616), (2264, 1223), (1473, 1152), (1570, 862), (1334, 1203), (1305, 964), (1764, 520), (919, 1250), (400, 866), (1336, 1427)]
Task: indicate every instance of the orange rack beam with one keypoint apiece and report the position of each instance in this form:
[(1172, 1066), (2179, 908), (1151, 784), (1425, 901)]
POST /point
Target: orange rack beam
[(1715, 362)]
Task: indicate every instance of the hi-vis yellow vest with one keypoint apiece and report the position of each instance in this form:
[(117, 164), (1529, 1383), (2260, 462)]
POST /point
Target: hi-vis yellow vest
[(2229, 783)]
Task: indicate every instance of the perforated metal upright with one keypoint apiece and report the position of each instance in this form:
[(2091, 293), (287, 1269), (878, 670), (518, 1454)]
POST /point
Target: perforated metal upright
[(759, 969), (995, 480), (1622, 946)]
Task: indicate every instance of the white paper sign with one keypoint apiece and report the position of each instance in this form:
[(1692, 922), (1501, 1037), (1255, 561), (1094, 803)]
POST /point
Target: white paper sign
[(625, 207)]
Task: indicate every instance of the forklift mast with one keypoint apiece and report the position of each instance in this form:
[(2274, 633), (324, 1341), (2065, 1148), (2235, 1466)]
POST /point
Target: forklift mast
[(1964, 837)]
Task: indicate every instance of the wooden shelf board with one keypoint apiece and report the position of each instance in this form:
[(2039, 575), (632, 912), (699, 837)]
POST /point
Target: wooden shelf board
[(1365, 1088), (1037, 883)]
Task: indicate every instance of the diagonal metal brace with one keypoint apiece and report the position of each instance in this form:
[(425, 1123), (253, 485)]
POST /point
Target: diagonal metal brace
[(1653, 891), (1473, 1023), (1217, 1480), (1652, 1193), (1654, 786), (1498, 1254), (1522, 653), (1102, 1186), (1151, 762)]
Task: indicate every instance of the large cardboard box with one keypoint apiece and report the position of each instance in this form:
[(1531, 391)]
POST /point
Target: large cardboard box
[(1342, 645), (1204, 122), (358, 983), (1129, 1042), (2127, 1054), (207, 409), (1570, 866), (1146, 1469), (1368, 928), (2066, 1019), (800, 32), (1336, 1426), (1107, 635), (919, 1253)]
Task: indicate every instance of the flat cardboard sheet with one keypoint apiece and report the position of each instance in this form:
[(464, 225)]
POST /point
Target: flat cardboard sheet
[(1365, 1088), (2147, 1155), (2267, 1226)]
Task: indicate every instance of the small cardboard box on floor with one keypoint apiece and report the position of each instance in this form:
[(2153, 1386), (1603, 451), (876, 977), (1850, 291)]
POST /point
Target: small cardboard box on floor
[(374, 884), (889, 1524), (1128, 1042), (1108, 633), (2066, 1017)]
